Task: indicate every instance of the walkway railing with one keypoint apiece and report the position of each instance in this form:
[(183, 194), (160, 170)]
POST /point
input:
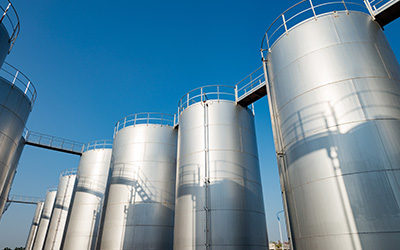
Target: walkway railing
[(69, 172), (9, 18), (24, 199), (20, 80), (375, 6), (99, 144), (144, 118), (53, 143), (300, 12), (249, 83)]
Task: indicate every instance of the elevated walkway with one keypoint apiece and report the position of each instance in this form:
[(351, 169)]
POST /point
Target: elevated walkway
[(383, 11), (22, 200), (251, 88), (53, 143)]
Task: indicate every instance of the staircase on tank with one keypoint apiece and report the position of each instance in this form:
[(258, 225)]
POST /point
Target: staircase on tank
[(251, 88), (383, 11), (53, 143)]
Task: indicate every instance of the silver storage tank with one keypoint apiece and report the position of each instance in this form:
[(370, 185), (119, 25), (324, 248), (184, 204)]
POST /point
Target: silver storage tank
[(219, 200), (9, 28), (139, 204), (335, 101), (45, 219), (17, 95), (34, 226), (60, 210), (84, 218)]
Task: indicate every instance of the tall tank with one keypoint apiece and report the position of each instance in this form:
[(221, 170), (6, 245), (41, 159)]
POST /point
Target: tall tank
[(34, 226), (219, 200), (334, 94), (60, 210), (17, 95), (140, 197), (84, 218), (45, 219)]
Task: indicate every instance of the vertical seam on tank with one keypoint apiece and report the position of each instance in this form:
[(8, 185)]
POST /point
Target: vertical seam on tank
[(383, 145), (336, 31), (383, 62)]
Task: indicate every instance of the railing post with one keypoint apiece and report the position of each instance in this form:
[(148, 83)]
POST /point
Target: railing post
[(187, 100), (27, 86), (201, 95), (371, 12), (312, 8), (347, 11), (218, 93), (284, 24), (134, 123), (125, 122), (236, 94), (148, 118), (15, 77), (5, 12)]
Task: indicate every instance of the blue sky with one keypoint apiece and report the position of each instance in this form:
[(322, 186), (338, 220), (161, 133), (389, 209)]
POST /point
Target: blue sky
[(94, 62)]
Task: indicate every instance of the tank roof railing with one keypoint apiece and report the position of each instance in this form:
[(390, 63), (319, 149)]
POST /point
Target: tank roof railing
[(9, 18), (52, 188), (99, 144), (205, 93), (68, 172), (19, 79), (144, 118), (302, 11)]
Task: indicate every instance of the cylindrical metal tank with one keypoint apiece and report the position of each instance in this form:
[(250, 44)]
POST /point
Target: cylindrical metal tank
[(17, 95), (34, 226), (139, 204), (84, 219), (219, 201), (60, 210), (334, 95), (45, 219), (9, 28)]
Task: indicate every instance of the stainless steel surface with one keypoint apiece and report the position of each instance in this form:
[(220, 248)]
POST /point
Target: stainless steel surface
[(9, 28), (84, 218), (45, 219), (334, 89), (60, 210), (15, 106), (140, 198), (34, 226), (219, 201)]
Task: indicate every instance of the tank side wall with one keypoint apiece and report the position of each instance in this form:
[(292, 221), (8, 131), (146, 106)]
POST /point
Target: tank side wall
[(335, 83), (14, 111), (141, 193), (44, 220), (88, 195), (60, 212), (34, 226), (218, 179)]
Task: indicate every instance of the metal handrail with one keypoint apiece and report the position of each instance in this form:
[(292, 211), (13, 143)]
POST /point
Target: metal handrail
[(10, 20), (52, 189), (53, 141), (144, 118), (69, 172), (274, 33), (99, 144), (19, 79), (205, 93), (375, 6), (250, 82), (24, 199)]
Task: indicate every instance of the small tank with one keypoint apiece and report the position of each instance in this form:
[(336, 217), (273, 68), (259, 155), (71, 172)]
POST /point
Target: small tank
[(219, 200), (140, 197), (84, 218), (34, 226), (60, 210), (45, 218), (17, 96)]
